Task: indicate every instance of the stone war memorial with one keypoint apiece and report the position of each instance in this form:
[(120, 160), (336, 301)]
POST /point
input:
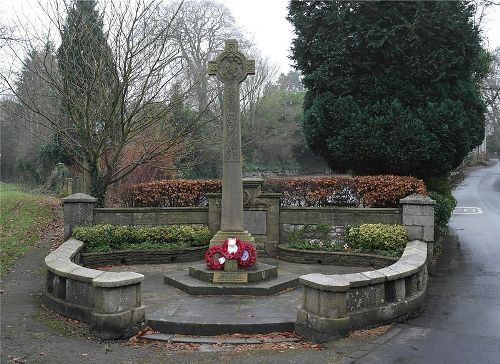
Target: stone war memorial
[(231, 259), (247, 279)]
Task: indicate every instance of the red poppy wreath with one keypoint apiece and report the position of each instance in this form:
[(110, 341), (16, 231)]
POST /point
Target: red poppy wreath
[(210, 255)]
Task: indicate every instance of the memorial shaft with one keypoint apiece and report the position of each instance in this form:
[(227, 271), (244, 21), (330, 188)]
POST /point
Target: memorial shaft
[(232, 188)]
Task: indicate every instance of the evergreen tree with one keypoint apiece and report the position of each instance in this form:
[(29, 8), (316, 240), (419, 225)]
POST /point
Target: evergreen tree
[(89, 79), (393, 87)]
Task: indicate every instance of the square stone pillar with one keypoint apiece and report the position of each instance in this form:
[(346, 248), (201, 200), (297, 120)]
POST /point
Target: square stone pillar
[(323, 314), (78, 210), (418, 218)]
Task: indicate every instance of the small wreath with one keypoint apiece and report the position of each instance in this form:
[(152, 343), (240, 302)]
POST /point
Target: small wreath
[(209, 257), (235, 255), (248, 256)]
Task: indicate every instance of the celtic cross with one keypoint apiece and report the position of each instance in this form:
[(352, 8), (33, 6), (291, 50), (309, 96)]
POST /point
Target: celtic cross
[(231, 67)]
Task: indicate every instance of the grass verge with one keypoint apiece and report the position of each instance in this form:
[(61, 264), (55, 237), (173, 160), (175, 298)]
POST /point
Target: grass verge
[(23, 218)]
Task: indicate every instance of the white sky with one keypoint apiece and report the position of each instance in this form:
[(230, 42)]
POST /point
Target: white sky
[(264, 21)]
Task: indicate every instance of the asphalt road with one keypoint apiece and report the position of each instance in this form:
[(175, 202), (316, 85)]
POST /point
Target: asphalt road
[(461, 323)]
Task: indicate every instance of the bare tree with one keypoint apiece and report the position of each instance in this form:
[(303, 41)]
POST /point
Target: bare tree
[(116, 113)]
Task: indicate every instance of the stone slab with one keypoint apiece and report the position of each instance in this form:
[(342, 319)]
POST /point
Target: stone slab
[(258, 272), (194, 286), (117, 279), (214, 315)]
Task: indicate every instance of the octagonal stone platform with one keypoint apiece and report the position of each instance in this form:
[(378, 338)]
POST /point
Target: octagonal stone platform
[(263, 280)]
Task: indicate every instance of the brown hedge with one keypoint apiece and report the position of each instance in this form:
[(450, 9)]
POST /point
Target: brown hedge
[(171, 193), (373, 191)]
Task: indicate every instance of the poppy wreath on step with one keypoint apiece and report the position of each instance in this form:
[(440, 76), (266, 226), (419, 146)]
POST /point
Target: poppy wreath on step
[(237, 254), (210, 254), (248, 256)]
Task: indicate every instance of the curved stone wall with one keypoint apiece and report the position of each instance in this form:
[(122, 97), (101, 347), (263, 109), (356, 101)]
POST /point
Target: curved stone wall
[(333, 305), (109, 301), (334, 258)]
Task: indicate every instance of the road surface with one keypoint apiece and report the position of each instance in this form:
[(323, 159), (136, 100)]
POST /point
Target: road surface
[(461, 323)]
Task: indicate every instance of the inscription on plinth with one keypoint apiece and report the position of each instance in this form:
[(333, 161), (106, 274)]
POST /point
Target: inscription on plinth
[(230, 277), (231, 265)]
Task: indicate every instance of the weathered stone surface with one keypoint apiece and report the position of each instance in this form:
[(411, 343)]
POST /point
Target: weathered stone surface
[(360, 298), (375, 276), (334, 258), (80, 292), (78, 210), (144, 256), (322, 282), (416, 199), (117, 279), (112, 300), (357, 279), (255, 221), (231, 67)]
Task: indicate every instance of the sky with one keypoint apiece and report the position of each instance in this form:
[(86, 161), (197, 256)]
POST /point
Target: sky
[(273, 34), (264, 22)]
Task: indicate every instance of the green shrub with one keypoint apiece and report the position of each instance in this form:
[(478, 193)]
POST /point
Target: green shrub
[(445, 203), (313, 237), (378, 238), (106, 238)]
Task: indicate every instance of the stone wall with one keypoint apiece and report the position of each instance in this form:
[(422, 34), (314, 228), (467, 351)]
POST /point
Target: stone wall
[(334, 305), (144, 257), (152, 216), (109, 301), (334, 258), (264, 218)]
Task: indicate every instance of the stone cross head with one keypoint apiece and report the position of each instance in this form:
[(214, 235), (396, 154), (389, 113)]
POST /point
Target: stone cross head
[(231, 65)]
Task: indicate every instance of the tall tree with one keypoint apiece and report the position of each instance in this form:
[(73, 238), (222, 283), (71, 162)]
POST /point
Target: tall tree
[(89, 77), (393, 87), (117, 66), (491, 91)]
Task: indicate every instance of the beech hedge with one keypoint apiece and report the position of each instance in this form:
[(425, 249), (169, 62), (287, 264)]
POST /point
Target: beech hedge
[(362, 191)]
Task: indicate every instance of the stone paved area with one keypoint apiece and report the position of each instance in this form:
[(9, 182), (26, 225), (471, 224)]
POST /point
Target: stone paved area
[(205, 315)]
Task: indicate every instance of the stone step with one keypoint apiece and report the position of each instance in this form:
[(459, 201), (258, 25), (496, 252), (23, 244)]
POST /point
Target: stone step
[(216, 340), (216, 315), (193, 286)]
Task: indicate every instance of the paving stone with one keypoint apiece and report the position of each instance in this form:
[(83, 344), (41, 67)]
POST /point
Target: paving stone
[(160, 337)]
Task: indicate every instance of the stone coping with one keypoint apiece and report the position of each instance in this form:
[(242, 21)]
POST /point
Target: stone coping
[(79, 197), (148, 209), (364, 210), (60, 262), (413, 259)]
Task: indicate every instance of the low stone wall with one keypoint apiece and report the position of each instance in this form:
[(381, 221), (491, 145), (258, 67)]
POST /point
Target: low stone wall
[(109, 301), (144, 256), (334, 258), (151, 216), (333, 305), (267, 221)]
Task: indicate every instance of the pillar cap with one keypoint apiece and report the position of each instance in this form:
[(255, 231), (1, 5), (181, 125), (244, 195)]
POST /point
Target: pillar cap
[(416, 199), (79, 197)]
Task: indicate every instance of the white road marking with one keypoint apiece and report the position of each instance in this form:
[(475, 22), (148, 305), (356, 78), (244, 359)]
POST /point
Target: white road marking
[(467, 211)]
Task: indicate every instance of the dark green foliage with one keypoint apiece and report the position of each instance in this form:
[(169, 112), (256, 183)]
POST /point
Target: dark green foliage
[(106, 238), (393, 87), (445, 203)]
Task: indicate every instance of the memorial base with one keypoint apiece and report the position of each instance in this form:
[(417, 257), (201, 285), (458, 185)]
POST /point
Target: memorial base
[(258, 272), (244, 236)]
